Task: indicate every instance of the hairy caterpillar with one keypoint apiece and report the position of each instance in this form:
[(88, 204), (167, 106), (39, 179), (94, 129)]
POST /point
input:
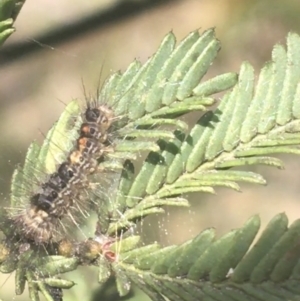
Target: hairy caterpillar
[(59, 196)]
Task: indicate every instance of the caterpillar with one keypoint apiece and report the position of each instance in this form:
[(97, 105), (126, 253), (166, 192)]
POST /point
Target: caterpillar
[(60, 194)]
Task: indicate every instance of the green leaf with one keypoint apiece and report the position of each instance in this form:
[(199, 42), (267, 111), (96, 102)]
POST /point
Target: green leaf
[(224, 269), (6, 30), (9, 10), (152, 95), (249, 125), (6, 9)]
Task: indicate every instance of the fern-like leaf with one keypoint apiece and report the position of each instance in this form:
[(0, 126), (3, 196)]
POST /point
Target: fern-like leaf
[(250, 124), (166, 86), (225, 269)]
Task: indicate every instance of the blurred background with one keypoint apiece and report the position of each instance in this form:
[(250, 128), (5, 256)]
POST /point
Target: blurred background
[(59, 44)]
